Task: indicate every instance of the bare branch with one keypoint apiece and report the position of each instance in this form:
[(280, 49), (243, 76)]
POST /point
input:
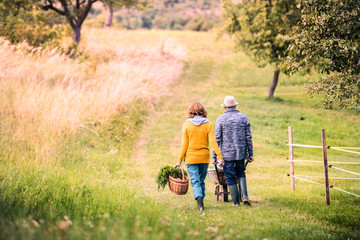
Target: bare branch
[(67, 13), (51, 7), (64, 5), (87, 9)]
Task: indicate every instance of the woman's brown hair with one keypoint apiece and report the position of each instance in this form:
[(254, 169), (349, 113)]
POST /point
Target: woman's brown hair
[(196, 108)]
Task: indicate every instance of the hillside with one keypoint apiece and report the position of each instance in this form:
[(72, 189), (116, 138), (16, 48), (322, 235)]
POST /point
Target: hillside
[(198, 15)]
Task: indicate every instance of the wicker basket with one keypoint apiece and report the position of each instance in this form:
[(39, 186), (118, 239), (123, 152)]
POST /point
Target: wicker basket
[(179, 186)]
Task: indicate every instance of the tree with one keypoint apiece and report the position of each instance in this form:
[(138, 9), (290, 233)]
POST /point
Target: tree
[(116, 4), (23, 21), (109, 15), (77, 11), (329, 37), (259, 28)]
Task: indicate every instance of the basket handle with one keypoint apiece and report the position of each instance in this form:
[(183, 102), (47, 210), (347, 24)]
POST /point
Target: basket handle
[(182, 172)]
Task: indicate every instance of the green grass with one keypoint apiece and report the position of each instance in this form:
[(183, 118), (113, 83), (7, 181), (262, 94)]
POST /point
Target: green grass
[(104, 183)]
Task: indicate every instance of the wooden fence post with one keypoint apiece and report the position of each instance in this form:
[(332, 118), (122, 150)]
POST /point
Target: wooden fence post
[(291, 157), (327, 193)]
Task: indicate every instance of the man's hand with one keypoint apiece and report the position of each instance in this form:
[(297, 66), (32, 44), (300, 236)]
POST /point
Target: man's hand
[(178, 164), (221, 162), (250, 159)]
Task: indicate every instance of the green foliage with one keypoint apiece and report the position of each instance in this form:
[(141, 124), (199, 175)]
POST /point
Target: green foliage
[(199, 23), (174, 15), (95, 12), (329, 37), (259, 27), (341, 89), (146, 22), (162, 177), (138, 4), (54, 202), (24, 21)]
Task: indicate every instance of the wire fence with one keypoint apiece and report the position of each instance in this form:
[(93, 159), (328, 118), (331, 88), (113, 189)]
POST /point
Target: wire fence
[(354, 148), (324, 162), (303, 145), (313, 161), (340, 178), (343, 170), (306, 180), (339, 149), (329, 147), (344, 191)]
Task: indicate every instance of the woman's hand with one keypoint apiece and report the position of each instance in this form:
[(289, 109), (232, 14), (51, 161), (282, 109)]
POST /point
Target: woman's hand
[(178, 164)]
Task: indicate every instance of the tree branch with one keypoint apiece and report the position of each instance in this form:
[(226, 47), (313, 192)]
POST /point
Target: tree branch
[(51, 7), (64, 4), (87, 9), (67, 13)]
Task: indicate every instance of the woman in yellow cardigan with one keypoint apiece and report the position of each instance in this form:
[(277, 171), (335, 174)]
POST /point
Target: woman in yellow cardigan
[(197, 133)]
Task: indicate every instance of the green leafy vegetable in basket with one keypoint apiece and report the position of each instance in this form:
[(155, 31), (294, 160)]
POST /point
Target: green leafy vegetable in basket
[(163, 176)]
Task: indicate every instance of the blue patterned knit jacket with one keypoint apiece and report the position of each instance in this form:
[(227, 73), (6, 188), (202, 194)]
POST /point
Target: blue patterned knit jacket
[(233, 135)]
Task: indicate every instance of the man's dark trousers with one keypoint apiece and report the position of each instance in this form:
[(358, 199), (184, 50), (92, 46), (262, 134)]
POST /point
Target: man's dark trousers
[(235, 170)]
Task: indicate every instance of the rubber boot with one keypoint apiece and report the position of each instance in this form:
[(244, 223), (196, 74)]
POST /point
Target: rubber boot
[(200, 204), (242, 185), (234, 192)]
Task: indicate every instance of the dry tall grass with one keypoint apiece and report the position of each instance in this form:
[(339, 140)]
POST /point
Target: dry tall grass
[(44, 94)]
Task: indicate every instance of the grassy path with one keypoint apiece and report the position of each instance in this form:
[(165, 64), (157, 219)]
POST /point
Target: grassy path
[(214, 71), (102, 186)]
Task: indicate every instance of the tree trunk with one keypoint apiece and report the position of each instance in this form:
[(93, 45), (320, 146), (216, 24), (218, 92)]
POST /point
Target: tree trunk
[(109, 16), (76, 34), (274, 83)]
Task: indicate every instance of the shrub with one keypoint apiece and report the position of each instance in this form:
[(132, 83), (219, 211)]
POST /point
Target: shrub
[(29, 24), (199, 23)]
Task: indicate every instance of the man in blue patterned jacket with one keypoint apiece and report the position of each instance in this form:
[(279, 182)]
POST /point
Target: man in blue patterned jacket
[(233, 135)]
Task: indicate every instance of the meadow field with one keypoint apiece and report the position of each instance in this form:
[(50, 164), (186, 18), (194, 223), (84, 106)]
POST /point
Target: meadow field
[(82, 140)]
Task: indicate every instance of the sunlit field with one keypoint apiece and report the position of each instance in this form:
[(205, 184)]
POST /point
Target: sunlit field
[(83, 138), (46, 94)]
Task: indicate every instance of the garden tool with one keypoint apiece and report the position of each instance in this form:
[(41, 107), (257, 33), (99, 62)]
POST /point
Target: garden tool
[(217, 172)]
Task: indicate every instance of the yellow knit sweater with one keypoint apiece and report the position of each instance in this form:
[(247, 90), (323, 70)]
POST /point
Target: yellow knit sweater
[(195, 143)]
